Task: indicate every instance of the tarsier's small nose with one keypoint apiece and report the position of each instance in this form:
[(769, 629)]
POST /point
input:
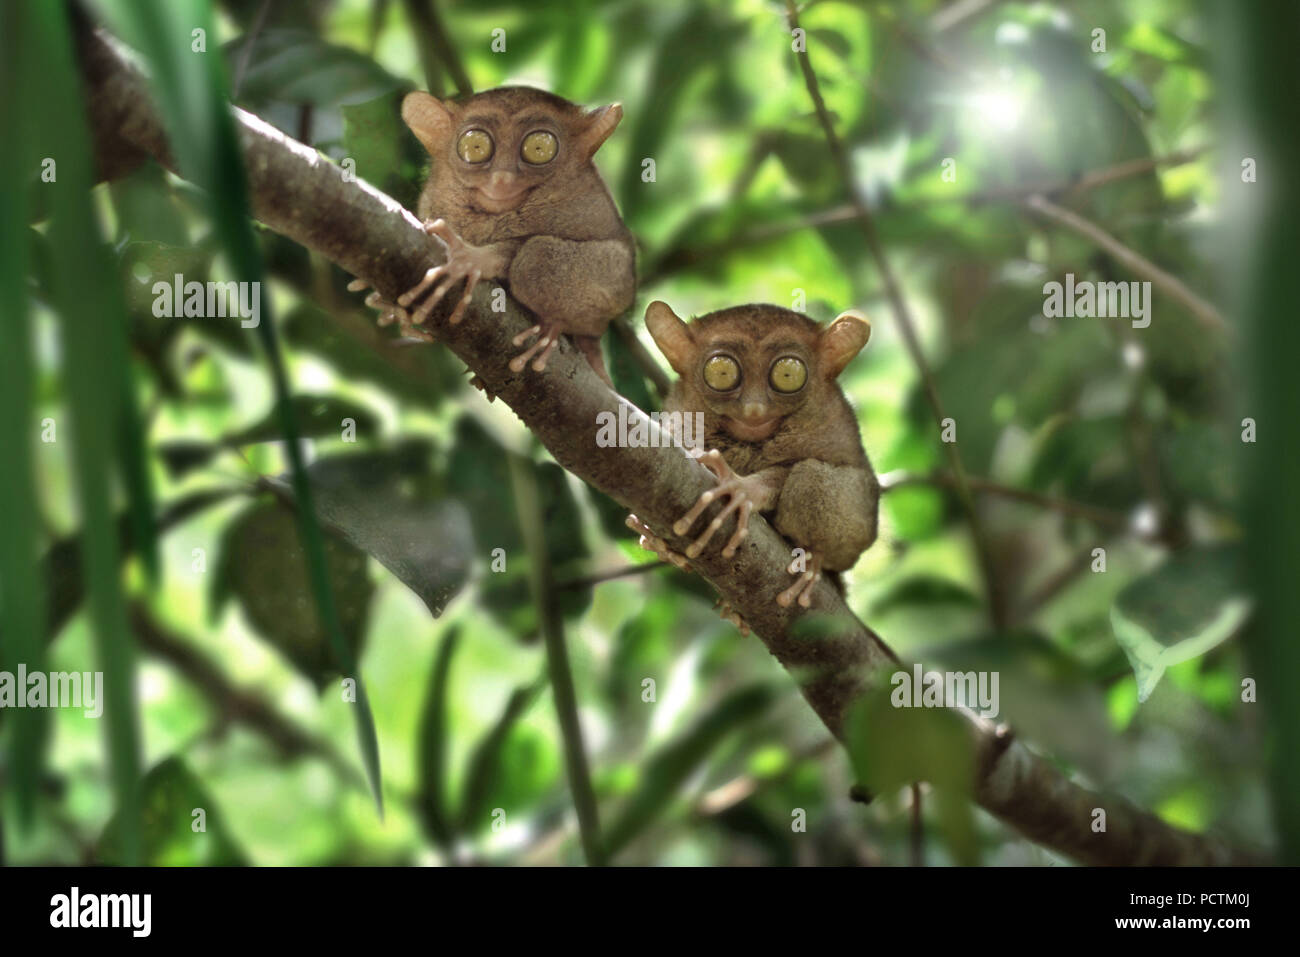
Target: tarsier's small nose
[(502, 177), (753, 410)]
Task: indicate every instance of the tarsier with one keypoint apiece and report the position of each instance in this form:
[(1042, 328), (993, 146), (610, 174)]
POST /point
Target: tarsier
[(781, 436), (514, 196)]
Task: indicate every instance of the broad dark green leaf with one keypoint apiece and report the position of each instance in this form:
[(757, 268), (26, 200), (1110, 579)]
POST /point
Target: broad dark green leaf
[(382, 503), (262, 566), (479, 477)]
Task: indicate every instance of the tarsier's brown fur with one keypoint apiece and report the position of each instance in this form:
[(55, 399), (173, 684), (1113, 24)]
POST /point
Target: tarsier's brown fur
[(797, 457), (550, 231)]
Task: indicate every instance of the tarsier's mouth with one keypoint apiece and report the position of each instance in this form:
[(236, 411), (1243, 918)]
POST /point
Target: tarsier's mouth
[(496, 201), (751, 430)]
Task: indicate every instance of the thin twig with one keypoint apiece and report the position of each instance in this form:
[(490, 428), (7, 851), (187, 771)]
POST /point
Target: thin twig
[(542, 586), (916, 828), (984, 555), (1136, 263), (437, 54), (1095, 513), (744, 786), (641, 356), (681, 255), (231, 703), (1056, 582), (241, 67), (625, 572)]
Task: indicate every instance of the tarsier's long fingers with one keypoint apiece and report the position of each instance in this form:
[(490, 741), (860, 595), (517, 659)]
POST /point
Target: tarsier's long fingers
[(545, 344), (736, 502), (742, 529), (415, 292), (390, 313), (470, 282), (440, 229), (728, 485), (436, 297), (653, 543), (803, 586), (715, 463), (539, 364)]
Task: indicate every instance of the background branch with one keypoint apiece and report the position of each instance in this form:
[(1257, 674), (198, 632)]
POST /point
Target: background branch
[(1133, 261), (907, 327)]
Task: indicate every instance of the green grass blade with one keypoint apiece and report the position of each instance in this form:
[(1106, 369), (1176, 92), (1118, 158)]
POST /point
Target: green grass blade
[(191, 89), (485, 763), (88, 297), (432, 758), (133, 466), (21, 607)]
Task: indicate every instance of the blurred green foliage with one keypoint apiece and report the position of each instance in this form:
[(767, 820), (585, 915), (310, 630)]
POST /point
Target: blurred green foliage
[(700, 746)]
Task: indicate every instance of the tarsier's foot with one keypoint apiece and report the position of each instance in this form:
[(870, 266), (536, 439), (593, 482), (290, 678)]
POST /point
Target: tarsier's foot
[(548, 337), (653, 543), (390, 313), (809, 569), (739, 491), (463, 262)]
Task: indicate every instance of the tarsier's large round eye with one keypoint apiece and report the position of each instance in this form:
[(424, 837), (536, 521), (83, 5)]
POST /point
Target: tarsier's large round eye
[(722, 373), (788, 374), (475, 146), (538, 147)]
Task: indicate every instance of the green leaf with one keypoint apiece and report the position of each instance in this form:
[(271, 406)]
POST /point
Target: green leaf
[(296, 66), (174, 835), (262, 565), (1192, 603), (926, 591), (892, 746), (360, 352), (433, 741), (669, 768), (378, 503), (487, 763), (478, 476), (374, 138)]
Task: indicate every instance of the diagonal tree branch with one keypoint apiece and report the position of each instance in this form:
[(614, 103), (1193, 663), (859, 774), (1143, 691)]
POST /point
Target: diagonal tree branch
[(300, 194), (907, 328)]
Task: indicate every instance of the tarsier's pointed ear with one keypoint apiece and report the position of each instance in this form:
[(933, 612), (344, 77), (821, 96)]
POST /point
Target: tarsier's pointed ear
[(671, 335), (842, 340), (429, 119), (600, 123)]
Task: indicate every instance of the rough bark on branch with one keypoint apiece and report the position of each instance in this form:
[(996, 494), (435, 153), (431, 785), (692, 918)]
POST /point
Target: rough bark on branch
[(303, 196)]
